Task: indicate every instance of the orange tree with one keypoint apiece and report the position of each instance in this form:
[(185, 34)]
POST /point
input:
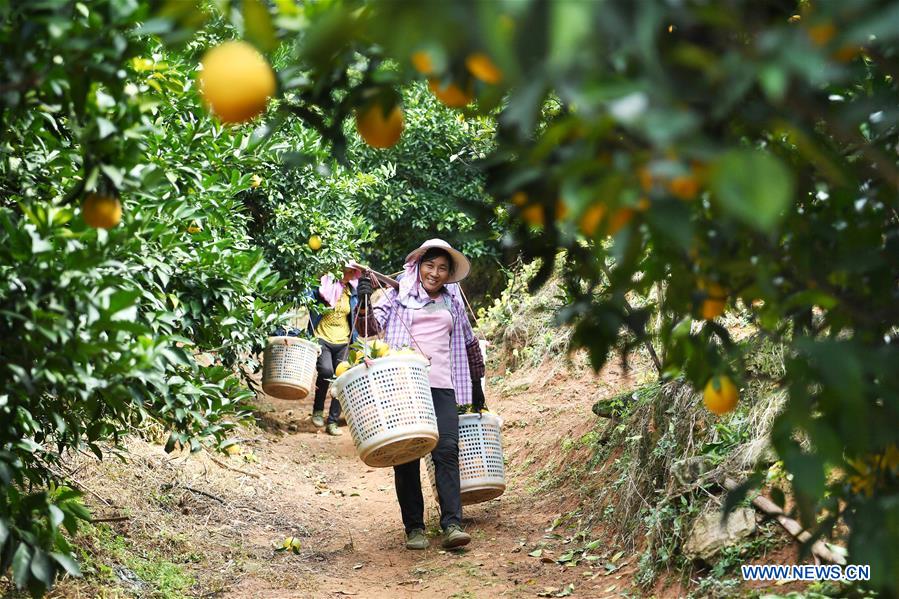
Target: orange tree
[(739, 154), (137, 232), (124, 253)]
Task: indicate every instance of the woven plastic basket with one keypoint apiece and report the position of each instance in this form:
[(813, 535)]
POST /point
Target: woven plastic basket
[(389, 409), (288, 367), (481, 469)]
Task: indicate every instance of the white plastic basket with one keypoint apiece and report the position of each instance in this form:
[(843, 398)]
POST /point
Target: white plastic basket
[(389, 409), (288, 367), (481, 470)]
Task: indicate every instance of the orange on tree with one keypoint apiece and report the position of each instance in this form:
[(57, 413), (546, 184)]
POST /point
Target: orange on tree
[(194, 227), (618, 219), (715, 300), (377, 129), (315, 243), (482, 68), (533, 214), (720, 395), (591, 218), (822, 33), (684, 187), (644, 175), (236, 81), (595, 215), (421, 60), (256, 181), (451, 94), (101, 211)]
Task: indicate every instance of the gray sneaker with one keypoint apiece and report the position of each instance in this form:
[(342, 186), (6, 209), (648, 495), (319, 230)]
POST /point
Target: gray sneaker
[(416, 539), (318, 418), (454, 537), (333, 430)]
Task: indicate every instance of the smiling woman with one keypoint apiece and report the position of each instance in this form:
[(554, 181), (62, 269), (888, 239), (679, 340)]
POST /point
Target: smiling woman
[(427, 313), (436, 268)]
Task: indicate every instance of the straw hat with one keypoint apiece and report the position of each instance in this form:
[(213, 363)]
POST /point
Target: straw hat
[(460, 262)]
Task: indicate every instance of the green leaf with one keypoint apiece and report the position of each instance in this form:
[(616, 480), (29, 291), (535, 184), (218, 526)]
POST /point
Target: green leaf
[(571, 24), (42, 568), (114, 173), (56, 516), (807, 470), (106, 128), (258, 26), (752, 186), (21, 560), (67, 562)]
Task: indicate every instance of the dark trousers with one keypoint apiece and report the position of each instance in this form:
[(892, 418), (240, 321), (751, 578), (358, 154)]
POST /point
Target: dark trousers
[(332, 355), (446, 470)]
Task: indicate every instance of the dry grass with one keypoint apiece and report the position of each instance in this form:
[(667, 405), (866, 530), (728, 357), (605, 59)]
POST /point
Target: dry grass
[(209, 516)]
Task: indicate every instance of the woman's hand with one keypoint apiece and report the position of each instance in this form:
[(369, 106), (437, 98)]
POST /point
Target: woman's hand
[(477, 396), (364, 287)]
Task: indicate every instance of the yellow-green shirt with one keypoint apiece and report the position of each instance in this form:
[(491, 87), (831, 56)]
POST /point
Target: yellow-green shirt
[(334, 327)]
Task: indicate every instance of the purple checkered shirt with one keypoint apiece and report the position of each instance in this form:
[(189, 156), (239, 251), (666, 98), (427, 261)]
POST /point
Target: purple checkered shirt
[(391, 315)]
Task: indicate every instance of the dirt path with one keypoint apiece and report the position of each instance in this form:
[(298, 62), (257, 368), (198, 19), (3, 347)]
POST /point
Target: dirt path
[(226, 514), (357, 533)]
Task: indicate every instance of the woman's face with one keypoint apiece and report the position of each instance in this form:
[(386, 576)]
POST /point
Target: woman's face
[(349, 274), (434, 273)]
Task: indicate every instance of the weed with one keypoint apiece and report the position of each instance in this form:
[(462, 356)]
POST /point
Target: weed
[(113, 558)]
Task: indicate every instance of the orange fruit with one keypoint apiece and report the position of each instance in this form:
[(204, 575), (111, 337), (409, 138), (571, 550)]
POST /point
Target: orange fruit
[(591, 218), (315, 243), (256, 181), (822, 34), (720, 395), (421, 60), (101, 211), (194, 228), (619, 218), (341, 368), (533, 215), (594, 215), (684, 187), (378, 130), (482, 68), (451, 94), (847, 53), (236, 81), (645, 177), (716, 298), (233, 449)]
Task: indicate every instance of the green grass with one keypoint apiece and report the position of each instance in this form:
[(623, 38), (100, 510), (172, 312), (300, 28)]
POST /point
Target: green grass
[(161, 577)]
